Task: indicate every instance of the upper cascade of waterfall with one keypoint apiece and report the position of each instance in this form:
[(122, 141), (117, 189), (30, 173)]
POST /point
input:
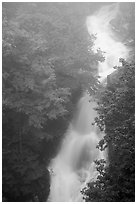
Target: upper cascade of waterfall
[(99, 24)]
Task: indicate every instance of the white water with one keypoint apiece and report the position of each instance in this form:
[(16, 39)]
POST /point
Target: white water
[(99, 25), (74, 165)]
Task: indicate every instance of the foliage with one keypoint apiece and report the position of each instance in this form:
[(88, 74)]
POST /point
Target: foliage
[(29, 83), (116, 108), (46, 62)]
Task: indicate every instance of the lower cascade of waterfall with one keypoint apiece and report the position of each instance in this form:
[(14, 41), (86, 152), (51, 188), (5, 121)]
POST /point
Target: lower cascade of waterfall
[(74, 165)]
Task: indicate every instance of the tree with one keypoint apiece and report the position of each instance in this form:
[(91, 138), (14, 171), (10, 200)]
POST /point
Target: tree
[(116, 180), (45, 63), (30, 98)]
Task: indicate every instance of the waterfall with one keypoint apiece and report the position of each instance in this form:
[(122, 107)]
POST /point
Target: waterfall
[(74, 165)]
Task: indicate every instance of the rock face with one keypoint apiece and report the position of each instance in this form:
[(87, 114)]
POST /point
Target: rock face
[(111, 79)]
